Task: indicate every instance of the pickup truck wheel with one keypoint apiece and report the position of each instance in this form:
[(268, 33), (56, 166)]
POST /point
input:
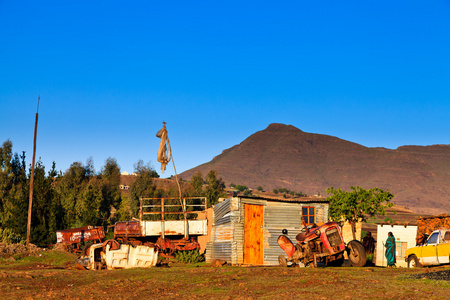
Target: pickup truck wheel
[(413, 262), (282, 261), (356, 254)]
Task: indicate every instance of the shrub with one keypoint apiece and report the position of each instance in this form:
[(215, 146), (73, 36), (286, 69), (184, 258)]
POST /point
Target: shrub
[(8, 236), (247, 192), (189, 257), (241, 188)]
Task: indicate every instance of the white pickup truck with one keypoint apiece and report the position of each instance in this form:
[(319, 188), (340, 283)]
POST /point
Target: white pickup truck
[(435, 251)]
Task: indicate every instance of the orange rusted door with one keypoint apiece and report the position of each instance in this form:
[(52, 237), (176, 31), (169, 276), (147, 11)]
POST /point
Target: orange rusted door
[(254, 234)]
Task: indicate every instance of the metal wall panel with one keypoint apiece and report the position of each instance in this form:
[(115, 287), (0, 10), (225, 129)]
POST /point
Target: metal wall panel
[(221, 209), (223, 233), (223, 220), (271, 248), (279, 216), (220, 250)]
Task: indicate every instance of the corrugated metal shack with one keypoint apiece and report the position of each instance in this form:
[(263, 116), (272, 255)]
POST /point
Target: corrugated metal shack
[(245, 229)]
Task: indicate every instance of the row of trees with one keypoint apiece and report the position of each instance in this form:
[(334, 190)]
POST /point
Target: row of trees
[(285, 192), (78, 197)]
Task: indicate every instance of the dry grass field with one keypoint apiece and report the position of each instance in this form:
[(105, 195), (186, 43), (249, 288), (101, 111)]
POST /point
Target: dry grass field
[(52, 275)]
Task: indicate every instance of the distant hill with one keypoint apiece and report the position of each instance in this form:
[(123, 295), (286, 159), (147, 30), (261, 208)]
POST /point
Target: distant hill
[(283, 156)]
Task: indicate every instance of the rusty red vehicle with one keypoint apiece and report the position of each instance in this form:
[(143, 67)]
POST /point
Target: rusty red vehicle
[(73, 237), (320, 245)]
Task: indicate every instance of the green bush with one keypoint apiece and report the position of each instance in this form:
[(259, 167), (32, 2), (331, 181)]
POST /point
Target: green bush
[(8, 236), (370, 257), (189, 257)]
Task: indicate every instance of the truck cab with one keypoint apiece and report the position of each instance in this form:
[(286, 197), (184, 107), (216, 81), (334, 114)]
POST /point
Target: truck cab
[(435, 251)]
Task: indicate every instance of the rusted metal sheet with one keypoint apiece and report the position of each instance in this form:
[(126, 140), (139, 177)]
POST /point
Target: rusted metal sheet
[(128, 229), (81, 234), (224, 233)]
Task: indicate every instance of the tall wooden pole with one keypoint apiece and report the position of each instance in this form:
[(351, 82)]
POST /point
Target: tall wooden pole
[(32, 175)]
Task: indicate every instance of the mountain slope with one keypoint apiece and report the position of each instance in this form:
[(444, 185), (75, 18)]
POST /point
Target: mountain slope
[(282, 156)]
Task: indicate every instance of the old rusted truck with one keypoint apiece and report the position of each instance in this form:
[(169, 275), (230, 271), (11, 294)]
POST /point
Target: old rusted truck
[(167, 227), (74, 237), (320, 245)]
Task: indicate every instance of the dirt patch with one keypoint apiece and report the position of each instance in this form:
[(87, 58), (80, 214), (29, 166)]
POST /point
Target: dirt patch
[(439, 275)]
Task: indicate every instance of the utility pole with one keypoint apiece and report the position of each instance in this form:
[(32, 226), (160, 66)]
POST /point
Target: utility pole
[(32, 175)]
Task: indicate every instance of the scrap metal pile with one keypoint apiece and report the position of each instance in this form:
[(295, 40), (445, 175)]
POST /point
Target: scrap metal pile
[(137, 243)]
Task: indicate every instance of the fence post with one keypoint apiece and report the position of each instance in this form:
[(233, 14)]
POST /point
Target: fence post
[(163, 225)]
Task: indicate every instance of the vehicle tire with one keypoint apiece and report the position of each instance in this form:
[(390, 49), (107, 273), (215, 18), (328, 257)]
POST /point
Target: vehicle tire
[(413, 262), (356, 254), (282, 261)]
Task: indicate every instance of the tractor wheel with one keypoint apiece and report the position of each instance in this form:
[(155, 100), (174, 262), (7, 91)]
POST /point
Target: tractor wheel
[(413, 262), (356, 254), (282, 261)]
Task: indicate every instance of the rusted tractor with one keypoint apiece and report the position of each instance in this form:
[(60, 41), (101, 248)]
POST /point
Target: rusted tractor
[(322, 245)]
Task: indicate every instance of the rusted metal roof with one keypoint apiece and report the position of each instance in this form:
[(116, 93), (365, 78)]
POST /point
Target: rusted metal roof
[(288, 200)]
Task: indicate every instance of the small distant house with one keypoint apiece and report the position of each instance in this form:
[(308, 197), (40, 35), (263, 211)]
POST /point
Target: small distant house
[(245, 229)]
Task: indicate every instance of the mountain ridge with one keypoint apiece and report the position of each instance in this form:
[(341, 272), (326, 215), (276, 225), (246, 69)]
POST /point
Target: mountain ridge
[(283, 156)]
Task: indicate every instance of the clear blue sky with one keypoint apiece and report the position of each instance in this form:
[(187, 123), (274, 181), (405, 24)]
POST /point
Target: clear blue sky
[(109, 72)]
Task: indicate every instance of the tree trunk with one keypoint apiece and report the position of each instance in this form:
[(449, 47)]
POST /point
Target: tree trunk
[(353, 224)]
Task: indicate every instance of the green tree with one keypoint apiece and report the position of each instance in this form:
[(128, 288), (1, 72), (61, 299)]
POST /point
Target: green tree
[(197, 183), (56, 217), (92, 210), (124, 212), (14, 191), (357, 204), (42, 230), (69, 190), (143, 186), (259, 188), (215, 187), (111, 196)]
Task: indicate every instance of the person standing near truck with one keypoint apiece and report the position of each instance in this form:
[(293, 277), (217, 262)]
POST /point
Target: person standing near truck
[(390, 250), (369, 243)]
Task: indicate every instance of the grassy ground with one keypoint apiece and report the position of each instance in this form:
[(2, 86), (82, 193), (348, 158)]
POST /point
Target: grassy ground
[(52, 275)]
